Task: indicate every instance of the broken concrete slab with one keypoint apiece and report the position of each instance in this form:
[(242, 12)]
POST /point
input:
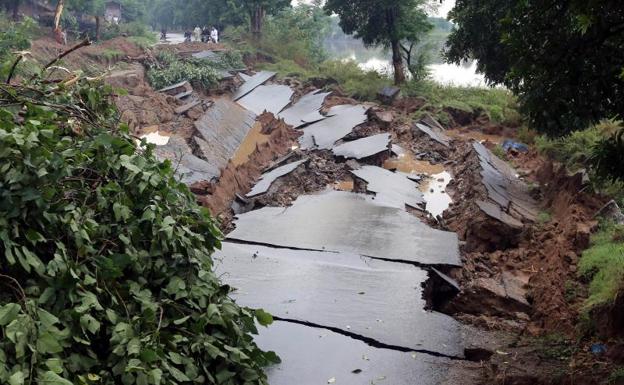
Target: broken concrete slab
[(272, 98), (376, 300), (388, 95), (434, 134), (350, 223), (495, 212), (177, 88), (267, 179), (398, 150), (307, 107), (183, 95), (252, 83), (313, 356), (391, 189), (190, 168), (182, 109), (611, 211), (363, 148), (207, 55), (223, 127), (325, 133), (503, 186)]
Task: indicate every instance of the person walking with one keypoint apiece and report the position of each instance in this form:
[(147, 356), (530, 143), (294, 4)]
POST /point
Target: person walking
[(214, 35), (197, 33)]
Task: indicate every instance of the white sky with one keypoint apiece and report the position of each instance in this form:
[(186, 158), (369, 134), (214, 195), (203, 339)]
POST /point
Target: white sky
[(443, 8)]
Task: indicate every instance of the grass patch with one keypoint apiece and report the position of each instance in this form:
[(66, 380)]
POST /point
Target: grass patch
[(144, 42), (500, 152), (603, 264), (616, 376), (201, 73), (499, 104), (575, 150), (543, 217), (111, 54), (555, 346)]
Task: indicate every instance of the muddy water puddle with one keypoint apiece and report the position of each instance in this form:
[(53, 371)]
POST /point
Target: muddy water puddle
[(253, 139), (434, 183), (474, 135), (433, 188), (156, 137), (408, 164), (344, 185)]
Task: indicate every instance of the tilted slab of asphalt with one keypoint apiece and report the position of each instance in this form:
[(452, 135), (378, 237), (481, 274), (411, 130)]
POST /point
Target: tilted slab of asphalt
[(307, 107), (251, 83), (350, 223), (340, 122), (363, 148), (434, 134), (272, 98), (504, 187), (188, 167), (312, 356), (391, 189), (267, 179), (379, 301), (223, 127)]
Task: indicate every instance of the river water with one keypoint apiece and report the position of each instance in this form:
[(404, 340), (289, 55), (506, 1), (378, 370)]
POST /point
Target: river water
[(377, 59)]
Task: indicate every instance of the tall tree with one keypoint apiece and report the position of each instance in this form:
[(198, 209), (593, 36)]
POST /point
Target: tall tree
[(563, 59), (257, 10), (383, 23)]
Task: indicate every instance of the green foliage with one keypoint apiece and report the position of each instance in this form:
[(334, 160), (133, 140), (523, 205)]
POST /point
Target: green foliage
[(134, 29), (355, 81), (171, 70), (13, 37), (616, 376), (555, 346), (384, 23), (562, 59), (544, 217), (603, 263), (584, 150), (499, 104), (106, 262), (607, 156), (499, 152)]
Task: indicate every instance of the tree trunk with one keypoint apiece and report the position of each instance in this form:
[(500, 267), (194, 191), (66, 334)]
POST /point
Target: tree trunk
[(257, 18), (57, 21), (397, 63), (16, 4), (97, 28)]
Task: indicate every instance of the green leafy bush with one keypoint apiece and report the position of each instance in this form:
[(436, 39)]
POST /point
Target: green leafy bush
[(199, 73), (603, 263), (106, 258), (131, 29), (13, 37), (355, 81)]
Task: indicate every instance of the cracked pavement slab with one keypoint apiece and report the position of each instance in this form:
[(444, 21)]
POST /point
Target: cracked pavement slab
[(312, 356), (378, 301), (350, 223), (391, 189)]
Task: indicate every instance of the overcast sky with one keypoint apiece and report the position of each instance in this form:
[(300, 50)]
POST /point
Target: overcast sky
[(443, 8)]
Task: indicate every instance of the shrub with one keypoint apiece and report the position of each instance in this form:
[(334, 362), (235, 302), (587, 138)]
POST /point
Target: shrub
[(603, 263), (499, 104), (106, 257), (13, 37), (355, 81)]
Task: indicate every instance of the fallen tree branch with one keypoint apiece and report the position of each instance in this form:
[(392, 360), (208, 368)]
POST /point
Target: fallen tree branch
[(83, 43), (13, 67)]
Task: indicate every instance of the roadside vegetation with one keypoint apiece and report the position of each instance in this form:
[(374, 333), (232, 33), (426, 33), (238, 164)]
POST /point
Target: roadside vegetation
[(603, 265), (169, 69), (106, 270)]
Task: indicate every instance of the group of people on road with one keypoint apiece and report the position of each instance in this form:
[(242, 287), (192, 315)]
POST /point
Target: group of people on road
[(204, 34)]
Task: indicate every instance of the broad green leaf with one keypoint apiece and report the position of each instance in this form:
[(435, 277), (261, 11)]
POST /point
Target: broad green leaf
[(51, 378), (8, 313), (264, 318)]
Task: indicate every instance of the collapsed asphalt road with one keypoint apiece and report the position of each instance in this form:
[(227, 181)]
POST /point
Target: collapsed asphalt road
[(342, 272)]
